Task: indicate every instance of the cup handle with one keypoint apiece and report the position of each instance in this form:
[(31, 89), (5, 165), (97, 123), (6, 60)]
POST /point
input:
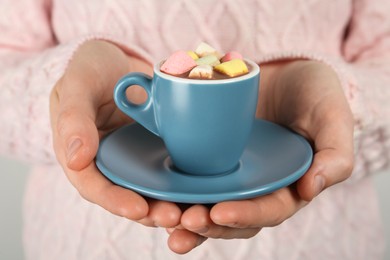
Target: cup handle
[(144, 113)]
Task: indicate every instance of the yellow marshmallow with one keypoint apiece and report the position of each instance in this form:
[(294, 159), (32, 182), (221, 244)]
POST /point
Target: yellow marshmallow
[(232, 68), (193, 55)]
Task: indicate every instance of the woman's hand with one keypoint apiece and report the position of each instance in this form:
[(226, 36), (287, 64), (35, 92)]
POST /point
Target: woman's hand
[(307, 97), (82, 111)]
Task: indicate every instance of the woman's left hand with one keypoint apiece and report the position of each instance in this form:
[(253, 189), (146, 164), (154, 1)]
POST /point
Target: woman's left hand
[(305, 96)]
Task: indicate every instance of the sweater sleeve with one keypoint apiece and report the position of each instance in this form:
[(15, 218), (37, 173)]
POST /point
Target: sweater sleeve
[(367, 76), (364, 72), (31, 62)]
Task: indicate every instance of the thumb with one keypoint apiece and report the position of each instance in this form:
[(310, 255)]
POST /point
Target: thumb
[(328, 168), (75, 136), (79, 137), (333, 160)]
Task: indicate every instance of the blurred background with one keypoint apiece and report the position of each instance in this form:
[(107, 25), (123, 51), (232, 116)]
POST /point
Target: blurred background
[(13, 179)]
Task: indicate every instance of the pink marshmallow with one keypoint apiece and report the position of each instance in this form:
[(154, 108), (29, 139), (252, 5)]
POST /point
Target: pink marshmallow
[(231, 56), (178, 63)]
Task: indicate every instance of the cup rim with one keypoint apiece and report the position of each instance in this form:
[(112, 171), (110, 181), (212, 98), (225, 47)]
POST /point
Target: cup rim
[(255, 70)]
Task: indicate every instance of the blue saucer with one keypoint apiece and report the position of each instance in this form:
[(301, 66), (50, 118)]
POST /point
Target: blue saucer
[(136, 159)]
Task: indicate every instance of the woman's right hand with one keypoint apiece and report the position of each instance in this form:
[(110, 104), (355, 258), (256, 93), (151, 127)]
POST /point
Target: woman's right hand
[(82, 111)]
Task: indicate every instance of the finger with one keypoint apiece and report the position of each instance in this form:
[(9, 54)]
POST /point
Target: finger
[(75, 135), (162, 214), (197, 219), (69, 126), (266, 211), (182, 241), (328, 168), (333, 159), (94, 187)]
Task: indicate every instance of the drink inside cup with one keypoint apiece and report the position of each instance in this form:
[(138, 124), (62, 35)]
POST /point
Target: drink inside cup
[(215, 76), (205, 63)]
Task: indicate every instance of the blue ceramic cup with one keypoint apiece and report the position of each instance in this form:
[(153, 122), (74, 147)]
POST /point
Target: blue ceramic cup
[(205, 124)]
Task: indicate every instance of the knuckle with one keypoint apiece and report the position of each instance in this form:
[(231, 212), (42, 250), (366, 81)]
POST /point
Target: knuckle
[(282, 211), (277, 218), (64, 120), (347, 166)]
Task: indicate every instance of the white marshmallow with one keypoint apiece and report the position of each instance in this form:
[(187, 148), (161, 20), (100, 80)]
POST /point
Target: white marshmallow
[(204, 49), (202, 72)]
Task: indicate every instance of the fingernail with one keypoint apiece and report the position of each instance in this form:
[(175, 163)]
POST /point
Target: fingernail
[(73, 147), (319, 183)]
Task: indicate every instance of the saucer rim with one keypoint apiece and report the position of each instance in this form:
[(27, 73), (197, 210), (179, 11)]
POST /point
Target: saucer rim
[(207, 198)]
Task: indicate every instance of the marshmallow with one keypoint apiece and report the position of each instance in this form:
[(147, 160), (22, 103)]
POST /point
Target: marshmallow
[(202, 72), (232, 68), (193, 55), (208, 60), (178, 63), (204, 49), (231, 56)]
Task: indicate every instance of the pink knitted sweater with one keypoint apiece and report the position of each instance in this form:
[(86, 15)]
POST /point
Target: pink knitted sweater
[(38, 38)]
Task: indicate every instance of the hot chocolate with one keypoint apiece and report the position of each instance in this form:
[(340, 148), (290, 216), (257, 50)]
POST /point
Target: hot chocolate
[(205, 63)]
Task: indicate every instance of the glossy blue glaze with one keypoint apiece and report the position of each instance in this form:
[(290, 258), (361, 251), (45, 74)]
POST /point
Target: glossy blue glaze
[(134, 158), (205, 124)]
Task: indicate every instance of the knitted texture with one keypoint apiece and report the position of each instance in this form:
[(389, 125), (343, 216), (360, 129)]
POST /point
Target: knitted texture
[(353, 37)]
